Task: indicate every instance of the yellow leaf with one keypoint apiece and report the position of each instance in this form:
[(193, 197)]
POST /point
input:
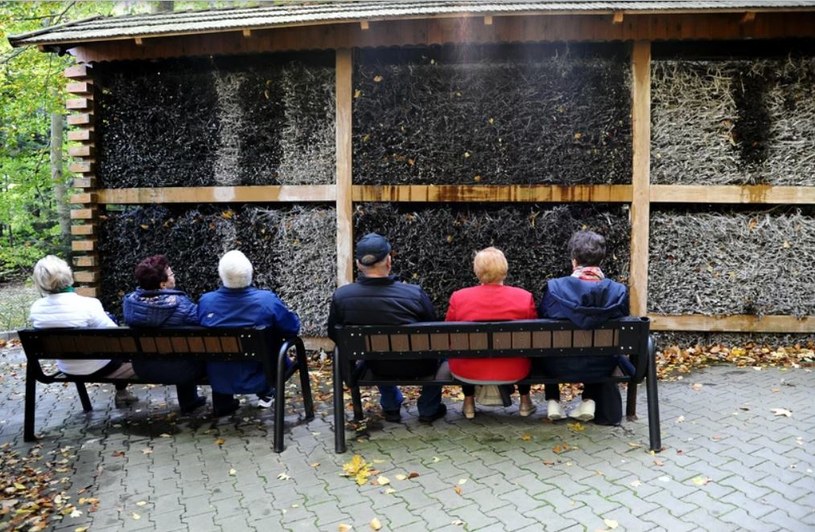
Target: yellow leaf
[(457, 489), (136, 516), (390, 491), (462, 481), (401, 477), (81, 529), (526, 437), (611, 523), (378, 78), (233, 472), (382, 481), (700, 481), (140, 503), (220, 441), (576, 427), (375, 524), (19, 486), (76, 513), (344, 528), (357, 93)]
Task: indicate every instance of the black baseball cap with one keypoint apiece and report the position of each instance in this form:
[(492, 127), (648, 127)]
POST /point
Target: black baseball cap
[(371, 249)]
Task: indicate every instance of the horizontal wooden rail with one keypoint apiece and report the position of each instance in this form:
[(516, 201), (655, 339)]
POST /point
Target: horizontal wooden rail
[(493, 193), (736, 323), (247, 194), (756, 194)]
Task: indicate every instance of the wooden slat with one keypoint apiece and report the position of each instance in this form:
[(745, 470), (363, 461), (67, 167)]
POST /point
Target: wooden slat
[(419, 342), (542, 339), (344, 148), (80, 135), (493, 193), (80, 151), (85, 261), (84, 182), (87, 291), (212, 344), (85, 276), (83, 245), (79, 104), (148, 344), (79, 87), (80, 119), (379, 343), (521, 340), (562, 339), (81, 167), (400, 342), (583, 338), (479, 341), (83, 198), (439, 342), (76, 72), (82, 214), (501, 341), (738, 323), (603, 338), (640, 204), (230, 344), (85, 229), (179, 344), (756, 194), (196, 344), (459, 341), (163, 345), (249, 194)]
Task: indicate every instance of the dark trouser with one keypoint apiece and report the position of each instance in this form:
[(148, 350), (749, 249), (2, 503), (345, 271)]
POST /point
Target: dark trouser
[(183, 373), (523, 389)]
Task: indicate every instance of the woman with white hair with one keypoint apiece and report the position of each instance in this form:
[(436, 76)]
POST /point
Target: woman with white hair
[(62, 307), (239, 304), (491, 300)]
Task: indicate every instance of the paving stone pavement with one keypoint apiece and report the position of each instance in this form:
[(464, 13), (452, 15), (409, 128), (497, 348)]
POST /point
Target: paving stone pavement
[(729, 463)]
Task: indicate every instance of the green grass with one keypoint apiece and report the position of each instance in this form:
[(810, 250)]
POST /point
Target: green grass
[(15, 301)]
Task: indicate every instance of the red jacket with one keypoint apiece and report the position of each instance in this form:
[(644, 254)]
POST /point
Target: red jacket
[(488, 303)]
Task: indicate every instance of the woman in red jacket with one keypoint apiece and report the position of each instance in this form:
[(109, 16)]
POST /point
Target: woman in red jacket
[(489, 301)]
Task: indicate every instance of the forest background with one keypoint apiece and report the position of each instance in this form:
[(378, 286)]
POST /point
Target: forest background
[(35, 184)]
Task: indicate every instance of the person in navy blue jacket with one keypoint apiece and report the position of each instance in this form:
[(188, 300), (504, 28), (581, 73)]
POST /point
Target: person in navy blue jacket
[(239, 304), (157, 303), (587, 299)]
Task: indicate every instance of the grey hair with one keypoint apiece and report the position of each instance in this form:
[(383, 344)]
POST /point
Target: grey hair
[(52, 275)]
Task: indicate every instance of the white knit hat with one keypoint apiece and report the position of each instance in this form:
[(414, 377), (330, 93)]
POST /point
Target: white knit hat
[(235, 270)]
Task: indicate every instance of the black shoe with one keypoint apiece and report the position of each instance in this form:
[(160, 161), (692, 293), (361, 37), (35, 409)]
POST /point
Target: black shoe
[(218, 412), (440, 412), (394, 416), (193, 406)]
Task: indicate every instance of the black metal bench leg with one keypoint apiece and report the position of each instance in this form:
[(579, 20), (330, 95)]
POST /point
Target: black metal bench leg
[(339, 408), (631, 402), (83, 396), (305, 382), (280, 401), (654, 430), (30, 406)]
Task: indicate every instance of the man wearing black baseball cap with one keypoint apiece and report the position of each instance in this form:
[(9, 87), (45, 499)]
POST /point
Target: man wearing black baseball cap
[(379, 298)]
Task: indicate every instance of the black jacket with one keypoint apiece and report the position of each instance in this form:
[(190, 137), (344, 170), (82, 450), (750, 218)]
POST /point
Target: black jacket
[(383, 301)]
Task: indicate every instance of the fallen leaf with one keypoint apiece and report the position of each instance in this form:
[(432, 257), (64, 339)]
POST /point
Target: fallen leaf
[(700, 481), (118, 454), (611, 523), (283, 476), (76, 513), (457, 522), (462, 481), (457, 489), (659, 463), (680, 419), (382, 481), (549, 462), (81, 529), (636, 483), (378, 78), (344, 528), (389, 491), (220, 441), (147, 450), (526, 436), (781, 412), (400, 476), (358, 469), (136, 516), (412, 474), (576, 427), (375, 524), (635, 445), (140, 503), (697, 386), (233, 472), (315, 465)]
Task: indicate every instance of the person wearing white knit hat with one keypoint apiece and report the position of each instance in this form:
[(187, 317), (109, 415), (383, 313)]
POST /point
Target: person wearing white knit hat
[(239, 304)]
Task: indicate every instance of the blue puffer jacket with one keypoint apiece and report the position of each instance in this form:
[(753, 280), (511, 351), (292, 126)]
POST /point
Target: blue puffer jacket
[(587, 304), (244, 307), (159, 308)]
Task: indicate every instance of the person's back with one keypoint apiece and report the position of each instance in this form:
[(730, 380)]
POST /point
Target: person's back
[(239, 304), (378, 298)]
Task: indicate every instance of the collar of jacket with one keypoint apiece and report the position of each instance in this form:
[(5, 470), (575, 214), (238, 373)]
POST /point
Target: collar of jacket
[(377, 281)]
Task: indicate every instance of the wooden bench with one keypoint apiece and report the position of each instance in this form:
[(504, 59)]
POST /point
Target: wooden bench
[(205, 345), (627, 337)]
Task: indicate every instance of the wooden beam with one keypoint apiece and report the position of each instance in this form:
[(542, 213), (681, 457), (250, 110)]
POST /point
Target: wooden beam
[(755, 194), (618, 17), (314, 343), (738, 323), (81, 135), (85, 261), (87, 291), (363, 25), (494, 193), (83, 198), (247, 33), (640, 204), (84, 182), (81, 167), (83, 230), (78, 103), (76, 72), (488, 20), (83, 245), (139, 41), (86, 276), (79, 87), (80, 151), (247, 194), (748, 17), (82, 214), (80, 119), (344, 149)]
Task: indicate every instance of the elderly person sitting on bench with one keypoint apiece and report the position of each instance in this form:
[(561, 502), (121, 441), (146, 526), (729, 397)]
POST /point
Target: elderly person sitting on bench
[(61, 307)]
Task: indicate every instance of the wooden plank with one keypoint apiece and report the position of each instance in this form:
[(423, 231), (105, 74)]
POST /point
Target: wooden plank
[(82, 214), (640, 204), (81, 167), (494, 193), (83, 245), (345, 207), (80, 134), (76, 72), (85, 261), (517, 27), (87, 291), (80, 119), (737, 323), (84, 182), (80, 151), (79, 87), (79, 103), (754, 194), (83, 198), (249, 194), (83, 230), (86, 276)]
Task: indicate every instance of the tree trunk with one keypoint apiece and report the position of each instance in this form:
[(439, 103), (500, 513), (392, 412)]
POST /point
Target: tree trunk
[(60, 189), (162, 6)]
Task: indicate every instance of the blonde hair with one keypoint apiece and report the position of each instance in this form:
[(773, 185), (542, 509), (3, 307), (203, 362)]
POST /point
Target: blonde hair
[(52, 275), (490, 266)]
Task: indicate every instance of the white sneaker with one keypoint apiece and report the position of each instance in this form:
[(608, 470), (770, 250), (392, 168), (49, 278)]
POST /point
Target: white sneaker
[(584, 411), (553, 410), (265, 401)]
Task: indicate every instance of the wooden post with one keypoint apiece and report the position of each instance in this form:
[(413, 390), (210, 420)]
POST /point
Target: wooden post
[(345, 223), (58, 182), (640, 204)]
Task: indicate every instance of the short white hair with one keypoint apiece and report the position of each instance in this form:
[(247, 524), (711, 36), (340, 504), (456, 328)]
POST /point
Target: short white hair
[(235, 270), (52, 275)]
